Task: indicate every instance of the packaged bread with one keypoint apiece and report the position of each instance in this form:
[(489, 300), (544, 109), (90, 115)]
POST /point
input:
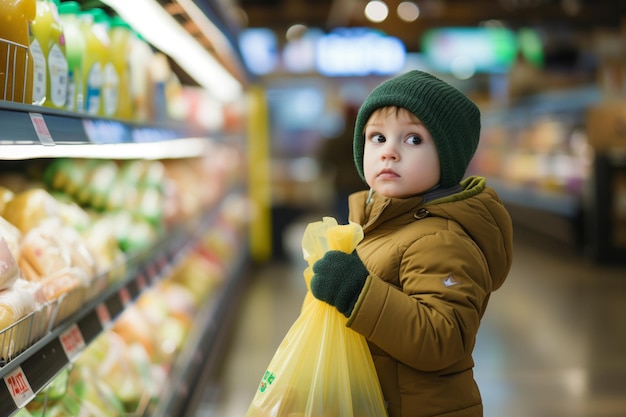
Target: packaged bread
[(62, 282), (75, 246), (28, 272), (12, 236), (102, 242), (29, 208), (31, 290), (44, 252), (9, 271), (18, 301), (6, 195)]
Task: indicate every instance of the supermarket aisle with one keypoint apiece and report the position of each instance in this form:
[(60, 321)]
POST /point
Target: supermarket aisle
[(268, 309), (552, 342)]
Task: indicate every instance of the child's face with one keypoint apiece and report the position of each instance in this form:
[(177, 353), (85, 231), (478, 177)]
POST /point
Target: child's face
[(400, 158)]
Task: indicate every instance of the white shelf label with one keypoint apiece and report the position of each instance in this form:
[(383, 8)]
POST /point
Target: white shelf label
[(72, 341), (19, 387), (41, 129)]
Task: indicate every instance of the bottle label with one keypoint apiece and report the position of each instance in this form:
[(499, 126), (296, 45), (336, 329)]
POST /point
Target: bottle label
[(57, 65), (70, 102), (94, 89), (110, 90), (80, 95), (39, 73)]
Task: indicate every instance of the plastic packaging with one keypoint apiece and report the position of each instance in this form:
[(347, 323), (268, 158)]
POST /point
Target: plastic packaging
[(75, 51), (15, 303), (16, 61), (9, 271), (322, 367), (18, 301)]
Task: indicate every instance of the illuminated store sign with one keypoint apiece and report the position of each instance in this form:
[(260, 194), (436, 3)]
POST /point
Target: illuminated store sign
[(359, 52), (475, 49), (259, 49), (343, 52)]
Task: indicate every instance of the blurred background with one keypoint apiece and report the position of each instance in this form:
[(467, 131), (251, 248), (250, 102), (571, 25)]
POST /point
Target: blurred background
[(543, 72)]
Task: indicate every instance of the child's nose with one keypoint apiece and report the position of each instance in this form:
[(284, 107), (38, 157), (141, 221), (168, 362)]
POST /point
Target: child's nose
[(390, 151)]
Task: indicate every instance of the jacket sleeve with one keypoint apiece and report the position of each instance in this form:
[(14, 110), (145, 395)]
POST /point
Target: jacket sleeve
[(430, 323)]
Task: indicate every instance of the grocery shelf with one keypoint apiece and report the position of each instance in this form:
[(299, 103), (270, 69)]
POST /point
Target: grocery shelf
[(30, 371), (560, 169), (51, 340), (40, 132), (517, 119), (528, 109)]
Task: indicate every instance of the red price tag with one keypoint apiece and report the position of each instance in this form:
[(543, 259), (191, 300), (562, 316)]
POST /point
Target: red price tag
[(19, 387), (103, 314), (162, 262), (152, 271), (141, 282), (41, 129), (72, 341), (125, 296)]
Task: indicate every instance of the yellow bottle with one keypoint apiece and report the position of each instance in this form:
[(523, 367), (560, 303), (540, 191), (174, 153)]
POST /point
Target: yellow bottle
[(141, 56), (110, 76), (75, 50), (119, 53), (93, 72), (50, 62), (16, 61)]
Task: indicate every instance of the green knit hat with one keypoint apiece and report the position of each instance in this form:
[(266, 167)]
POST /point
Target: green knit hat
[(452, 119)]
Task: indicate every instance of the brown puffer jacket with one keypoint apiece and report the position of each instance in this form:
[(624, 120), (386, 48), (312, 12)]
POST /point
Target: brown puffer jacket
[(432, 269)]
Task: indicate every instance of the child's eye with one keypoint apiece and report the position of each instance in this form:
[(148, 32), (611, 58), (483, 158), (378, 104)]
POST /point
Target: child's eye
[(378, 138), (414, 140)]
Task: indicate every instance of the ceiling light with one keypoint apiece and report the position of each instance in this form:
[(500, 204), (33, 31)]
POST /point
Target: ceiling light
[(376, 11), (295, 32), (161, 30), (408, 11)]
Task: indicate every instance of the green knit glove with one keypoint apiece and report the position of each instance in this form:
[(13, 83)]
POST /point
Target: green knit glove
[(338, 279)]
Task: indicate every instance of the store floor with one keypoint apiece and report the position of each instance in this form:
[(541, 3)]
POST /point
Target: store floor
[(552, 343)]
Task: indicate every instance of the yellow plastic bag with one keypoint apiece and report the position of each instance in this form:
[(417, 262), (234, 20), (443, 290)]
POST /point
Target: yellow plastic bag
[(321, 368)]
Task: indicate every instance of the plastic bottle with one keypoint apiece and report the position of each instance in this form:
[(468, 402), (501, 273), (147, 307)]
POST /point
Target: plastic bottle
[(50, 62), (93, 72), (141, 56), (110, 77), (160, 71), (120, 34), (16, 61), (75, 51)]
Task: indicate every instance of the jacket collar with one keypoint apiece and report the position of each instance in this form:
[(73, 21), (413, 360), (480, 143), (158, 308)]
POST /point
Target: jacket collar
[(368, 208)]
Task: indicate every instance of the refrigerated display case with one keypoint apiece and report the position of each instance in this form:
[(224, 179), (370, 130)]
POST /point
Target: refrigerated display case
[(544, 160), (47, 341)]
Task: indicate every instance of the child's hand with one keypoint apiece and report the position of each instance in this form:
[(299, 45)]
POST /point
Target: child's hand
[(338, 279)]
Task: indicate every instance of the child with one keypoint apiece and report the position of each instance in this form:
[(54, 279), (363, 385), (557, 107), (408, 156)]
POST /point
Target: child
[(435, 246)]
